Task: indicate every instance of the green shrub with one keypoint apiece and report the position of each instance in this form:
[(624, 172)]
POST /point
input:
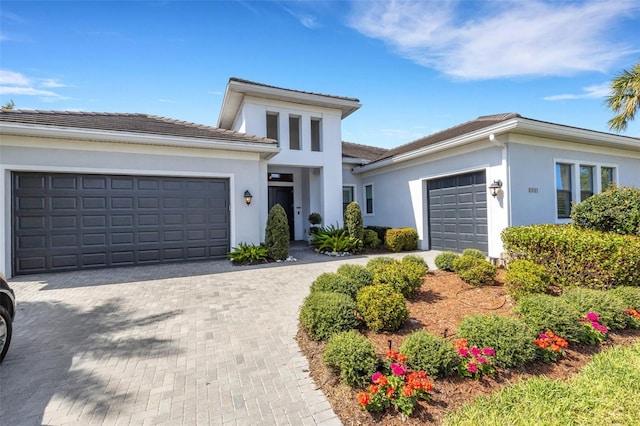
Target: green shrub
[(524, 277), (614, 210), (381, 307), (352, 356), (577, 257), (353, 221), (479, 254), (401, 239), (608, 306), (380, 230), (357, 276), (276, 238), (542, 312), (324, 313), (418, 260), (315, 219), (475, 271), (370, 240), (333, 282), (430, 353), (404, 277), (335, 240), (444, 261), (249, 253), (511, 338), (375, 262), (630, 296)]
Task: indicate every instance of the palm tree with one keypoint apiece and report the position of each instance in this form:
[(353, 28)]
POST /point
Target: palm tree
[(625, 98)]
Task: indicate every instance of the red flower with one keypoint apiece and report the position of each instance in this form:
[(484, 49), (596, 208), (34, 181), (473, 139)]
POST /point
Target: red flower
[(373, 389), (407, 391), (364, 399)]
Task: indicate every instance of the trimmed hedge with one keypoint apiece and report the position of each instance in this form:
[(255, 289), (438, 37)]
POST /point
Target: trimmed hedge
[(614, 210), (381, 307), (542, 312), (524, 277), (353, 356), (358, 276), (401, 239), (370, 239), (444, 261), (332, 282), (276, 238), (577, 257), (324, 314), (404, 277), (433, 354), (353, 221), (609, 307), (475, 271), (380, 230)]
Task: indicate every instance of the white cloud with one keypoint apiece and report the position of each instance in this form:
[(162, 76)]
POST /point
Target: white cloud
[(52, 83), (499, 39), (306, 20), (589, 92), (15, 83), (13, 78)]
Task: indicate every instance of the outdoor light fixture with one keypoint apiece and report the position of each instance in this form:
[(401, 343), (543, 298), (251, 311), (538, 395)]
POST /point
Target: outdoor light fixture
[(247, 197), (495, 187)]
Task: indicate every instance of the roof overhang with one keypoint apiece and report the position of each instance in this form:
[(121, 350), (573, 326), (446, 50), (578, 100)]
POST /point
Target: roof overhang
[(237, 90), (266, 151), (521, 126)]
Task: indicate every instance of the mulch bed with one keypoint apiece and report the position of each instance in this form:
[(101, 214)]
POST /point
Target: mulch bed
[(438, 307)]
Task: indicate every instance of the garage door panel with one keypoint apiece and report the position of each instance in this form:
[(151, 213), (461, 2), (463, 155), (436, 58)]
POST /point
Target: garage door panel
[(130, 220), (457, 212)]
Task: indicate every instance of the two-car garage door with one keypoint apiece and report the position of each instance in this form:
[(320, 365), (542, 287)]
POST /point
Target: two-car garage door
[(457, 207), (80, 221)]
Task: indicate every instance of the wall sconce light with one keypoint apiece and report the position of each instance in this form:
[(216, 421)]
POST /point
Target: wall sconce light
[(247, 197), (495, 187)]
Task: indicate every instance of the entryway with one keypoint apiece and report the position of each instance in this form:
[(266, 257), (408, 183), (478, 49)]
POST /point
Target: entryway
[(283, 195)]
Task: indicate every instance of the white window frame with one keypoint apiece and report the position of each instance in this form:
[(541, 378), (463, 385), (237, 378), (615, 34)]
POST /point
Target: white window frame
[(365, 211), (353, 192), (576, 196)]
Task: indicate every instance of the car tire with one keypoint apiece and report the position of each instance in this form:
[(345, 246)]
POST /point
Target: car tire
[(5, 331)]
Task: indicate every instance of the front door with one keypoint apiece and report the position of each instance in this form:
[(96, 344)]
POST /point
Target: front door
[(283, 195)]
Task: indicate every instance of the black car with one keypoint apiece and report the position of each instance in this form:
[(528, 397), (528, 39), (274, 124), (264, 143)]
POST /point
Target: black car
[(7, 313)]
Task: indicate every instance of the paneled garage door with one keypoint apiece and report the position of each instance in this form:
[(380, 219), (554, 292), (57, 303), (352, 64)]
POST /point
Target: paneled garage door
[(70, 221), (457, 207)]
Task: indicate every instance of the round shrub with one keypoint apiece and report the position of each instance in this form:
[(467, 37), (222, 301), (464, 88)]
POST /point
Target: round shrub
[(372, 264), (630, 296), (475, 271), (333, 282), (609, 307), (276, 238), (353, 221), (478, 254), (358, 276), (444, 261), (371, 239), (381, 307), (352, 356), (614, 210), (404, 277), (324, 313), (511, 338), (542, 312), (524, 277), (418, 260), (430, 353)]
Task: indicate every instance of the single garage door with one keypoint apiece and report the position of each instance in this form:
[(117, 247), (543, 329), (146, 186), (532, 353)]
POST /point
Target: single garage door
[(457, 207), (67, 222)]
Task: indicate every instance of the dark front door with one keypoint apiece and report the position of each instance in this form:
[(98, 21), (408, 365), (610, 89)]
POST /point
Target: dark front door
[(283, 195)]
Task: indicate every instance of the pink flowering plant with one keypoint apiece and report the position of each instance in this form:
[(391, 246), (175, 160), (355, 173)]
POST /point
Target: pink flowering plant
[(474, 362), (398, 387), (594, 331)]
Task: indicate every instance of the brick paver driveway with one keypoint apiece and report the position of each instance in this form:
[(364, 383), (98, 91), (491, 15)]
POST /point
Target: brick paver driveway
[(200, 343)]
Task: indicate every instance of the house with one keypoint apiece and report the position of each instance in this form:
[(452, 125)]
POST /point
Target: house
[(97, 190)]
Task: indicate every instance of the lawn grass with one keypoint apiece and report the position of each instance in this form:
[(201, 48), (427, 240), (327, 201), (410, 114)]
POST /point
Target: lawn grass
[(605, 392)]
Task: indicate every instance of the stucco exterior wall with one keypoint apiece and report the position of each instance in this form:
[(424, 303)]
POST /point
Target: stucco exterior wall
[(532, 174), (36, 154)]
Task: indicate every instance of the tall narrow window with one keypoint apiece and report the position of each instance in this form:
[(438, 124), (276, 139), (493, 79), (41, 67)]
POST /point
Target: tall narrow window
[(272, 125), (368, 198), (315, 135), (607, 178), (294, 132), (347, 196), (586, 182), (563, 190)]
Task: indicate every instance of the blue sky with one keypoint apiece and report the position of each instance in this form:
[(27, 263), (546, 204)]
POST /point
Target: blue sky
[(417, 67)]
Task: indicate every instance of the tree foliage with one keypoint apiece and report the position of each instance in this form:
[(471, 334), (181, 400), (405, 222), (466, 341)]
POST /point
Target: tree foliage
[(625, 98)]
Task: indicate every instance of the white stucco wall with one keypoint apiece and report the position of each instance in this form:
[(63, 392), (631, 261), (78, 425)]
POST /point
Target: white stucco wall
[(399, 192), (532, 174), (50, 155)]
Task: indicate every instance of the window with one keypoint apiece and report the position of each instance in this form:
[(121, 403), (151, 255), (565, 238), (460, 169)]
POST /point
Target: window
[(347, 196), (586, 182), (368, 198), (315, 135), (563, 190), (294, 132), (272, 125), (607, 177)]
